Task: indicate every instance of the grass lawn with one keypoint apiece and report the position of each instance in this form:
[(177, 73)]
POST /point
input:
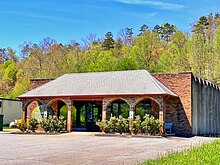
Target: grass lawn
[(205, 154), (8, 129)]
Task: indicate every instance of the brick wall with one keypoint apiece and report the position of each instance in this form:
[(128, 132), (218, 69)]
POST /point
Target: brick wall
[(179, 111), (38, 82)]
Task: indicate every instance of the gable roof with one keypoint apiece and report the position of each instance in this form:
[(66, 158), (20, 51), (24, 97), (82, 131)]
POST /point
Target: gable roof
[(132, 82)]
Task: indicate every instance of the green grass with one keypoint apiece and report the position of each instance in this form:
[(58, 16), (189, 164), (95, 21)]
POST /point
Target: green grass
[(205, 154), (9, 129)]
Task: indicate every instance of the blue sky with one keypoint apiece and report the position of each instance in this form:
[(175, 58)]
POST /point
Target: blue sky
[(66, 20)]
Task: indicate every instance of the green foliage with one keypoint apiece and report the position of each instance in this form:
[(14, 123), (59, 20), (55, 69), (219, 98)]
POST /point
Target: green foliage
[(151, 125), (136, 125), (161, 50), (33, 124), (64, 112), (22, 126), (205, 154), (102, 125), (112, 124), (45, 124), (53, 123), (121, 125), (108, 43)]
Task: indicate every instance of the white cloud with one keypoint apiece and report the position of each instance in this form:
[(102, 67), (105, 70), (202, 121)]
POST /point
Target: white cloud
[(29, 14), (156, 4)]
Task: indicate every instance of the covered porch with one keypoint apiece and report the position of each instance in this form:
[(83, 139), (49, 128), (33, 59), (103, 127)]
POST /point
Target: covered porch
[(82, 113)]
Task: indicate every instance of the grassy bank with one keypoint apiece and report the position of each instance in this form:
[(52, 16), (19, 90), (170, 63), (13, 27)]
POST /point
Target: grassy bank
[(205, 154)]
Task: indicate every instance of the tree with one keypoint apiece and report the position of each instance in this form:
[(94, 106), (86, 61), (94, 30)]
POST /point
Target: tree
[(198, 52), (201, 25), (108, 42), (143, 29), (216, 57), (126, 35), (165, 31), (149, 48)]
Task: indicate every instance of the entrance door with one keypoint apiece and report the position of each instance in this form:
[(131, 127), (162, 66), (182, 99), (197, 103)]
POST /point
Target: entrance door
[(87, 114)]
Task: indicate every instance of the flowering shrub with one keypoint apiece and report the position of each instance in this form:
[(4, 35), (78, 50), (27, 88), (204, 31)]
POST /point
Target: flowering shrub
[(121, 125), (135, 125), (22, 125), (53, 123), (111, 124), (45, 124), (102, 125), (33, 124), (149, 125)]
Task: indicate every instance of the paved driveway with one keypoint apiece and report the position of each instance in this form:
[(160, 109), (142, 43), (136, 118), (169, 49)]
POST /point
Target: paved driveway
[(76, 148)]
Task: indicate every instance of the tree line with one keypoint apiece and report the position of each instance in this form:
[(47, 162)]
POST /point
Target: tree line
[(162, 49)]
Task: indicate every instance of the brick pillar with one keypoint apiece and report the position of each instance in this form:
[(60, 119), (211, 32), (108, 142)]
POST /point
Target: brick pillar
[(23, 115), (69, 116), (131, 113), (104, 109), (162, 117), (131, 119)]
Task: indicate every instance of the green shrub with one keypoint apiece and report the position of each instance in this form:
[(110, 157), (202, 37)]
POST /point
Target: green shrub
[(102, 125), (33, 124), (53, 123), (45, 124), (61, 124), (137, 124), (22, 126), (121, 125), (150, 125), (111, 124)]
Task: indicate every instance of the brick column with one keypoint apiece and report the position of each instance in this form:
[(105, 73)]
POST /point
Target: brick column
[(162, 117), (69, 116), (131, 113), (131, 119), (104, 109), (162, 113), (23, 115)]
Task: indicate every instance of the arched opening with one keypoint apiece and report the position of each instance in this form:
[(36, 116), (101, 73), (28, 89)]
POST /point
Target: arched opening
[(35, 109), (55, 106), (118, 107), (87, 114), (147, 106)]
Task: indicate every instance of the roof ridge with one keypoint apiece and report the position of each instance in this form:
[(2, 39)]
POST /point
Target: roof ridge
[(160, 88), (105, 71), (151, 77)]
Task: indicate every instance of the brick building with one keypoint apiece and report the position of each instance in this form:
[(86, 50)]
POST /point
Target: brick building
[(190, 103)]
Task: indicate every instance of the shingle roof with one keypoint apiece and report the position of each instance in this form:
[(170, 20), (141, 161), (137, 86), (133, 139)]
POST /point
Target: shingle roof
[(130, 82)]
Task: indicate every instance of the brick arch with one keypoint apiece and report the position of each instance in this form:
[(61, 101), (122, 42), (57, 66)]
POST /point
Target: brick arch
[(144, 98), (53, 100), (29, 113), (30, 101), (55, 109), (114, 99), (155, 105)]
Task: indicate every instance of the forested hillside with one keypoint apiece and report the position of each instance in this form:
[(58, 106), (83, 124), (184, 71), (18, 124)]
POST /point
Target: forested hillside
[(160, 49)]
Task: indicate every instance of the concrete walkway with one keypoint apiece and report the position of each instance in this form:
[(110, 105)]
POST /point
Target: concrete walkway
[(83, 148)]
